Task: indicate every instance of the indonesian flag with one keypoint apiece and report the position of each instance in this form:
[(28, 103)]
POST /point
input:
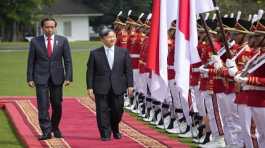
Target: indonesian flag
[(158, 51), (163, 13), (187, 40)]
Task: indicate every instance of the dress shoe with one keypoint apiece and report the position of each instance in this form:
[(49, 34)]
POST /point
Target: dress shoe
[(105, 138), (57, 134), (117, 135), (45, 137)]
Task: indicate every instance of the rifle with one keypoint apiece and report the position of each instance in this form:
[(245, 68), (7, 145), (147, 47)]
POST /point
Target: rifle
[(243, 48), (228, 53), (249, 65), (207, 32), (220, 53), (256, 64)]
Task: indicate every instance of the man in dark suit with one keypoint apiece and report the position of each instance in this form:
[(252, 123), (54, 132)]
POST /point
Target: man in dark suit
[(49, 67), (109, 76)]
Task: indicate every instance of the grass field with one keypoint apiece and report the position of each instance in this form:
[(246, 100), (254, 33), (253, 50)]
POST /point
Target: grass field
[(24, 45), (8, 137), (13, 70)]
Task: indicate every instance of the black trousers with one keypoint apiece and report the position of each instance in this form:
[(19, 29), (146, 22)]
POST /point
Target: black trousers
[(109, 110), (49, 94)]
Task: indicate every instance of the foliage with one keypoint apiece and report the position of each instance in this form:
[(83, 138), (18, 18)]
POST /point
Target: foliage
[(245, 6), (111, 8), (15, 15)]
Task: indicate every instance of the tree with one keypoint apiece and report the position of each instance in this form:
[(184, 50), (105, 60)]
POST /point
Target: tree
[(18, 15), (245, 6), (111, 8)]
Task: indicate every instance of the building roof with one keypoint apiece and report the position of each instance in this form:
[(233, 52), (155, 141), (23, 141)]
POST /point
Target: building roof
[(70, 7)]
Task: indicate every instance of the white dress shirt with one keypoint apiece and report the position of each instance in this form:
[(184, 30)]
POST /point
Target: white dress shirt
[(46, 41), (110, 55)]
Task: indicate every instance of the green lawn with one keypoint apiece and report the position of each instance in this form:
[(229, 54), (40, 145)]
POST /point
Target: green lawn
[(24, 45), (13, 71), (8, 137)]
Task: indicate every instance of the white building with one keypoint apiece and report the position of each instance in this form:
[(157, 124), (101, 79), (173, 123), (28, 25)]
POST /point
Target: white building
[(73, 19)]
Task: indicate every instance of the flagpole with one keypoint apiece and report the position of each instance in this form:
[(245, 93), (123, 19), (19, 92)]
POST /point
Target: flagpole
[(207, 33), (228, 53)]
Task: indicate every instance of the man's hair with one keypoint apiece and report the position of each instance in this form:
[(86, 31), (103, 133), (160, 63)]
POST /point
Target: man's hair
[(104, 31), (47, 19)]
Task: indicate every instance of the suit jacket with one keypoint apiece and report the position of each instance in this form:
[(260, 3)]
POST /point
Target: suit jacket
[(58, 67), (101, 78)]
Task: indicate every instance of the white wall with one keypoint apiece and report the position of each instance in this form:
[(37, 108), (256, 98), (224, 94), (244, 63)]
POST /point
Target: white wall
[(80, 27)]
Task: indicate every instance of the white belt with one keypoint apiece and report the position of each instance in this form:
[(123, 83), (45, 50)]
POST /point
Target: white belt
[(230, 80), (195, 70), (170, 67), (210, 92), (204, 75), (252, 87), (218, 78), (254, 68), (134, 55)]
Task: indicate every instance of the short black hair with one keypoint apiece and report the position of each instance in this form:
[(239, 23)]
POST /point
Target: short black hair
[(45, 19), (104, 31)]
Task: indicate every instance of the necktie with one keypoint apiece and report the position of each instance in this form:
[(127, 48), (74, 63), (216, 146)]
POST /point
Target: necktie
[(110, 57), (49, 47)]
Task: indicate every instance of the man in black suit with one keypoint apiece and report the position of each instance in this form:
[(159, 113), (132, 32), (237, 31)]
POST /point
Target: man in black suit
[(49, 67), (109, 76)]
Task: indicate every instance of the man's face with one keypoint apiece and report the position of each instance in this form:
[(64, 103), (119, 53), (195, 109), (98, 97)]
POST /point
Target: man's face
[(171, 33), (263, 43), (237, 37), (255, 40), (132, 28), (49, 27), (117, 26), (251, 41), (110, 39)]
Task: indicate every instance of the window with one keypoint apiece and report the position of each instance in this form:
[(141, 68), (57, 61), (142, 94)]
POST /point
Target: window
[(67, 28)]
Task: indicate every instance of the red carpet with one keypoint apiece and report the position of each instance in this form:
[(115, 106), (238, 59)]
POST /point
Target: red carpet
[(79, 127)]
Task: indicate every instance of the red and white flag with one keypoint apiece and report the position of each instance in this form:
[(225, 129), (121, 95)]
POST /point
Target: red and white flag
[(163, 13), (187, 40), (158, 51)]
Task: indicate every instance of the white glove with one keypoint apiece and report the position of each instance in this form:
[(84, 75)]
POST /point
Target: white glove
[(203, 70), (215, 58), (217, 62), (218, 65), (240, 79), (232, 71), (230, 63), (195, 70)]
